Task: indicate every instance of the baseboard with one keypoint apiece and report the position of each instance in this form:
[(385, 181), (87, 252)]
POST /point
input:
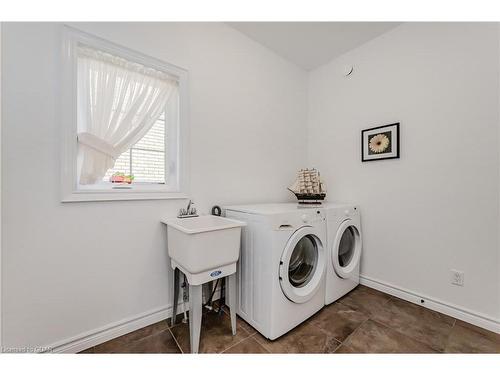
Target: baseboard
[(457, 312), (108, 332)]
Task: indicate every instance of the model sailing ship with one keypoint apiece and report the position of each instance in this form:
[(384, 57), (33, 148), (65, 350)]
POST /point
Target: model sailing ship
[(308, 187)]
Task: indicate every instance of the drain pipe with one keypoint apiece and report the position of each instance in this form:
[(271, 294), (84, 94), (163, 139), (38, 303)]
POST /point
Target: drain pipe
[(184, 300)]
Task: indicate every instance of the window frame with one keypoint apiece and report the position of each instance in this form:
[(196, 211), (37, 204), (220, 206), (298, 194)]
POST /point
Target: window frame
[(177, 136)]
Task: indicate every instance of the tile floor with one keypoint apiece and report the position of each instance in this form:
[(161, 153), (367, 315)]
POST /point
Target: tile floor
[(364, 321)]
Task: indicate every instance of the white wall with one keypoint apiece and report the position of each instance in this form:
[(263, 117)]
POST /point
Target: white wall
[(498, 229), (1, 315), (437, 207), (71, 268)]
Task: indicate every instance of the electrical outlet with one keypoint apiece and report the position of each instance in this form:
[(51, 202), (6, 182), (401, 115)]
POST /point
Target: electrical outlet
[(457, 277)]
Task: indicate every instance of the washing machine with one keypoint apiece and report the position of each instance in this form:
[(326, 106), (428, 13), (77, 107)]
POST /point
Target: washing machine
[(344, 246), (281, 270)]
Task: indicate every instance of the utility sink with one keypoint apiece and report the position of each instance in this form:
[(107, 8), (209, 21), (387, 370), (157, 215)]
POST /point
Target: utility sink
[(204, 248)]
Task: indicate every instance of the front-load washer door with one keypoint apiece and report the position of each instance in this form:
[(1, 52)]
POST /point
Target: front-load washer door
[(302, 265), (346, 249)]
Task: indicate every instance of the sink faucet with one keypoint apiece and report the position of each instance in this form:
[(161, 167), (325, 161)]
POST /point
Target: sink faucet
[(189, 211)]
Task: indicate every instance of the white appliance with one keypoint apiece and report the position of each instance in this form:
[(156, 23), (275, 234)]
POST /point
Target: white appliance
[(344, 246), (281, 271)]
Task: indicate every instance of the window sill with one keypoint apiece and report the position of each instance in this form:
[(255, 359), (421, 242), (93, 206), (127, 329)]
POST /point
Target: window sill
[(113, 195)]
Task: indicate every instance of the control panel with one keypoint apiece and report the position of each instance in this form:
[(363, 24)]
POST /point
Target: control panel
[(312, 217), (293, 221)]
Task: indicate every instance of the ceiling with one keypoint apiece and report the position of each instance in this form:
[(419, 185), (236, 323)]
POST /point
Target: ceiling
[(312, 44)]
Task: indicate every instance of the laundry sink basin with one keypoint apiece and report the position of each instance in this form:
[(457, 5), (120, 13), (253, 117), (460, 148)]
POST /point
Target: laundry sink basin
[(205, 247)]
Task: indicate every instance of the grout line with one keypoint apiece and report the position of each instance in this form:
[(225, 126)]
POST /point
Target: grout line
[(449, 336), (239, 342), (124, 344), (368, 317), (175, 339), (340, 346), (234, 344), (409, 337), (340, 342), (374, 319), (138, 341), (394, 298), (226, 312), (343, 343), (262, 346), (312, 322), (355, 330), (244, 329)]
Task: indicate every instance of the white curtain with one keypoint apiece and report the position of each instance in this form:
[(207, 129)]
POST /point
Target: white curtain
[(118, 103)]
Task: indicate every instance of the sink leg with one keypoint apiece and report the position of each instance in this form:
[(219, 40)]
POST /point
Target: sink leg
[(210, 286), (175, 296), (231, 283), (195, 306)]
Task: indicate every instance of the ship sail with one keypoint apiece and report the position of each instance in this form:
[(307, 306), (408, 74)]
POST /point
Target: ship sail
[(308, 183)]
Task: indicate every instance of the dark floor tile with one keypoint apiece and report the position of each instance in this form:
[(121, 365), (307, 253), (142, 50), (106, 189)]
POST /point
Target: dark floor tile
[(365, 300), (344, 349), (338, 320), (424, 325), (161, 342), (484, 332), (87, 351), (216, 335), (247, 327), (306, 338), (367, 321), (240, 322), (466, 338), (116, 345), (247, 346), (373, 337)]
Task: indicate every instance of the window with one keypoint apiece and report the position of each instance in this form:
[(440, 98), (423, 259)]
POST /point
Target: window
[(145, 160), (124, 128)]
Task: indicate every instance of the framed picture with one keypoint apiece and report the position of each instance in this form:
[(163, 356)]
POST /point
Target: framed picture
[(380, 143)]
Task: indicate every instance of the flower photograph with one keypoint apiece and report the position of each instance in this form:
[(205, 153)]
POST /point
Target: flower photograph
[(381, 142)]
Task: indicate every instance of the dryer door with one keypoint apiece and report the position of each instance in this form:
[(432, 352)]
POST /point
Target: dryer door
[(302, 265), (346, 249)]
